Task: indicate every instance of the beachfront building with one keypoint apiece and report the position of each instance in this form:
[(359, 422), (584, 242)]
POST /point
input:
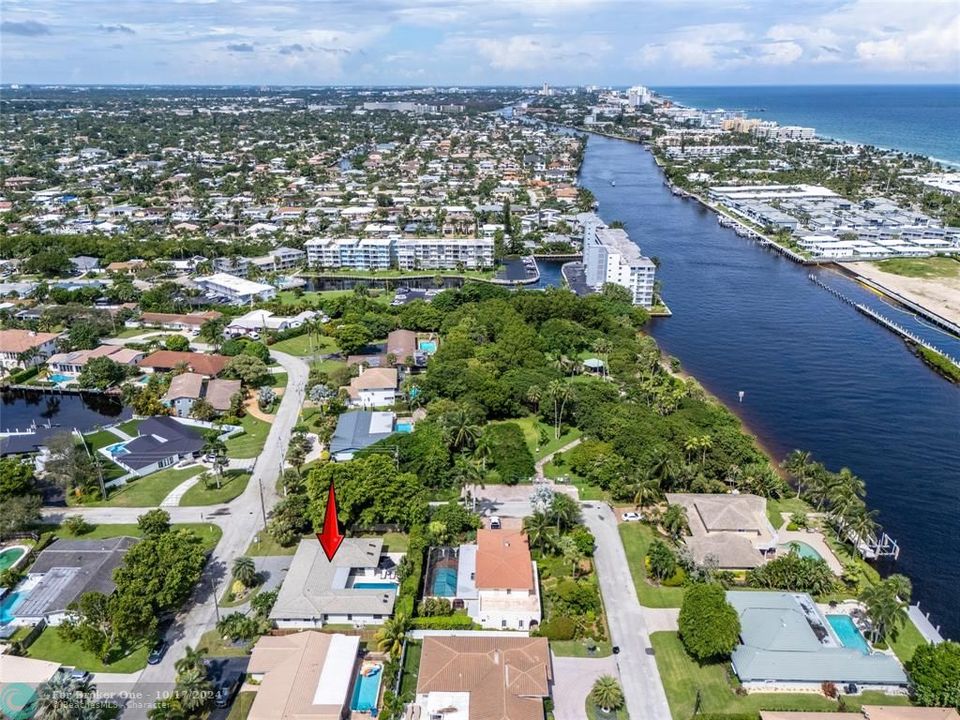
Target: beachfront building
[(358, 587), (609, 256), (237, 290), (483, 677), (788, 643)]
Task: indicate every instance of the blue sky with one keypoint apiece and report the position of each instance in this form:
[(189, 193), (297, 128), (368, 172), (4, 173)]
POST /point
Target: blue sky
[(319, 42)]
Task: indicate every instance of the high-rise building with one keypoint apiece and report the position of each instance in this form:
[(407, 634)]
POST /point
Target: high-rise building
[(610, 256), (638, 95)]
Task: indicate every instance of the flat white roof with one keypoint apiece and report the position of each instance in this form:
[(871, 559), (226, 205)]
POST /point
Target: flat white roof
[(334, 681), (381, 422), (236, 284)]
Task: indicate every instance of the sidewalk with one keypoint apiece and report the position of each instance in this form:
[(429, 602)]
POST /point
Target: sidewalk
[(176, 495)]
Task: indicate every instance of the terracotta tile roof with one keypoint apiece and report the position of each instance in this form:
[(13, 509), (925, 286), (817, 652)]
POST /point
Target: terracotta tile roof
[(402, 343), (18, 341), (503, 560), (196, 319), (373, 379), (197, 362), (507, 678)]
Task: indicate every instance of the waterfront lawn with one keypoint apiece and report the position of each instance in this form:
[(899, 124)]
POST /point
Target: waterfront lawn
[(907, 642), (130, 427), (636, 537), (933, 267), (233, 484), (208, 532), (301, 345), (531, 427), (683, 677), (148, 491), (101, 439), (411, 668), (50, 646), (788, 505), (250, 443)]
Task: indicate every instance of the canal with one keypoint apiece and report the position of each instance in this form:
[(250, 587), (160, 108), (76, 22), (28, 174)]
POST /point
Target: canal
[(816, 374)]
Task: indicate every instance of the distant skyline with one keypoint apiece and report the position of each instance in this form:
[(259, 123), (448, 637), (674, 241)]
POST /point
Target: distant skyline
[(488, 42)]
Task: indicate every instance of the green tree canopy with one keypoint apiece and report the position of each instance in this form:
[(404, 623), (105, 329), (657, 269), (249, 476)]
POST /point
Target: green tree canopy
[(708, 625)]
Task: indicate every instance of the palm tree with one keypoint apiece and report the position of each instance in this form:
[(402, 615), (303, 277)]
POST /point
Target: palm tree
[(675, 521), (798, 465), (483, 451), (606, 693), (602, 346), (886, 610), (570, 553), (61, 697), (191, 660), (459, 429), (559, 392), (193, 689), (216, 447), (245, 571), (391, 635), (646, 490), (539, 530)]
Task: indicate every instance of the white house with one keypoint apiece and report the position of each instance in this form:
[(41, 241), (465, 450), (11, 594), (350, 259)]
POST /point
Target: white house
[(374, 387), (236, 289), (25, 348)]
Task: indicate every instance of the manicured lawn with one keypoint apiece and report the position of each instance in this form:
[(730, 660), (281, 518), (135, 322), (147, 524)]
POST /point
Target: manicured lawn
[(278, 380), (266, 545), (577, 648), (50, 646), (683, 678), (217, 647), (208, 532), (411, 667), (301, 345), (233, 484), (908, 640), (531, 427), (587, 490), (250, 443), (785, 505), (393, 542), (636, 538), (148, 491), (101, 439), (130, 427), (591, 712), (133, 332), (241, 705), (934, 267), (328, 366)]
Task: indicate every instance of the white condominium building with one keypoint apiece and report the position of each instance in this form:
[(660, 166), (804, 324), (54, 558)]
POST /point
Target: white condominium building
[(609, 256), (235, 289), (404, 253)]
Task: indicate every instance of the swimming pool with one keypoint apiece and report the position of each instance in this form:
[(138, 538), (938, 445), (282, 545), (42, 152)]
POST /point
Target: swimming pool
[(60, 378), (427, 346), (445, 582), (117, 449), (847, 632), (803, 550), (374, 586), (404, 427), (367, 689), (8, 605), (10, 555)]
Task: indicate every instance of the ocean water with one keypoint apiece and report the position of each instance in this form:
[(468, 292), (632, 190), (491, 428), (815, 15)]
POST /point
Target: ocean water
[(917, 118)]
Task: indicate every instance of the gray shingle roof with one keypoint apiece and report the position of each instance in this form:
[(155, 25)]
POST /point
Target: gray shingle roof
[(354, 431), (160, 437)]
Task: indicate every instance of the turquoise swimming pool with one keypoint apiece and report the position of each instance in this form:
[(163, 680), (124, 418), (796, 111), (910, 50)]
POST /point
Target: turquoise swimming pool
[(366, 690), (404, 427), (445, 582), (9, 557), (117, 449), (8, 605), (847, 632), (803, 550), (60, 378), (427, 346), (374, 586)]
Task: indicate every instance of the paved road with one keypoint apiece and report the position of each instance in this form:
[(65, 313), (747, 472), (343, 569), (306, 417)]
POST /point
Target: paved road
[(573, 679), (240, 520), (642, 687)]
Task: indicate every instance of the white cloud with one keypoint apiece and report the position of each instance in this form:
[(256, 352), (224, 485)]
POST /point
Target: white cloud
[(532, 52)]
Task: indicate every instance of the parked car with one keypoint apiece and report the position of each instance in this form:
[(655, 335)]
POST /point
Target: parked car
[(157, 652), (226, 690), (631, 517), (80, 676), (494, 522)]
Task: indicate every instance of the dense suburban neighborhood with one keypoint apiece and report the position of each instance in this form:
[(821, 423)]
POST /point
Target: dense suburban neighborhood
[(217, 306)]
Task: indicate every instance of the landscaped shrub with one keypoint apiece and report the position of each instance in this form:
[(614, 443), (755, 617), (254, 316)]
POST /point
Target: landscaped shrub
[(444, 622), (558, 628), (709, 626), (678, 578)]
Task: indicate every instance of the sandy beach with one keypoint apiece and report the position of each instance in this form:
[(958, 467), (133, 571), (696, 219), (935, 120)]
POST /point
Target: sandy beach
[(939, 295)]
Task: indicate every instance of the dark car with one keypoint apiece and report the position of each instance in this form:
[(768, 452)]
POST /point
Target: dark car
[(157, 652), (226, 689)]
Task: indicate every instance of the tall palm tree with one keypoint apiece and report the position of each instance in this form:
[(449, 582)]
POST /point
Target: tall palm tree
[(798, 465), (559, 392), (193, 689), (675, 521), (483, 451), (646, 490), (245, 571), (192, 659), (459, 429), (570, 553), (539, 530), (886, 610), (391, 635), (606, 693), (59, 697)]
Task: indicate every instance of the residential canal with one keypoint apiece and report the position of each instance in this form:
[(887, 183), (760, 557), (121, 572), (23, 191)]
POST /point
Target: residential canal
[(816, 374)]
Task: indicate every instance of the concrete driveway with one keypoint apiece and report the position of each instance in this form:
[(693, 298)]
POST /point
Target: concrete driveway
[(573, 679), (642, 687)]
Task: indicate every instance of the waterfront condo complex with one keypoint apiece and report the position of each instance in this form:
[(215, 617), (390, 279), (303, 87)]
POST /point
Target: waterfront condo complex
[(610, 256)]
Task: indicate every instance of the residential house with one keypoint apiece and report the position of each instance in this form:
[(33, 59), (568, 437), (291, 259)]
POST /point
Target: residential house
[(73, 363), (357, 430), (66, 570), (174, 321), (787, 641), (219, 393), (237, 290), (483, 678), (402, 344), (201, 363), (161, 442), (731, 529), (374, 387), (184, 390), (25, 348), (351, 589), (19, 679), (260, 321), (303, 676)]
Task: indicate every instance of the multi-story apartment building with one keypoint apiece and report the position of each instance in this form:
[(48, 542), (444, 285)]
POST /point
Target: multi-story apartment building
[(355, 253), (405, 253), (609, 256)]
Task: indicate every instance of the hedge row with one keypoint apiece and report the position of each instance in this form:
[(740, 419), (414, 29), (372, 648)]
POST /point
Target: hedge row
[(409, 590), (445, 622)]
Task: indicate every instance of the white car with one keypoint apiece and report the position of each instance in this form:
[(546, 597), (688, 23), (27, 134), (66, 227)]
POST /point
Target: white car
[(631, 517)]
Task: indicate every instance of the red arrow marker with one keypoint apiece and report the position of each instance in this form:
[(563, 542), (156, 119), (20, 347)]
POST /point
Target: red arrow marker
[(331, 537)]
